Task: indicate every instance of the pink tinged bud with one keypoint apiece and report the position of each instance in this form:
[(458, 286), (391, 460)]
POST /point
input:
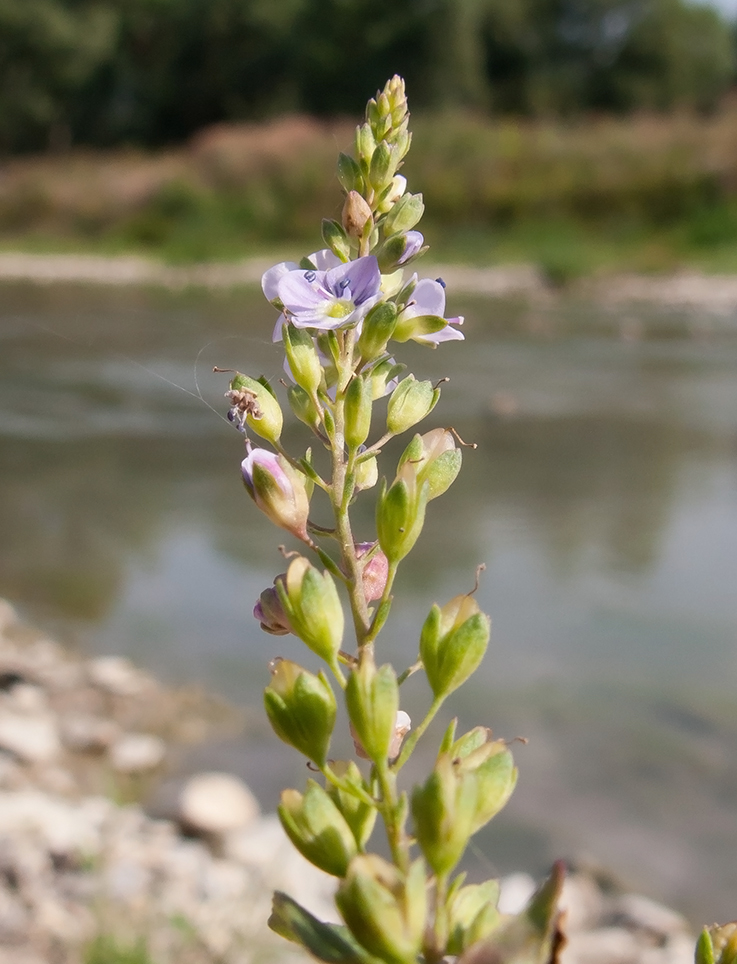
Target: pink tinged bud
[(278, 490), (270, 612), (375, 571)]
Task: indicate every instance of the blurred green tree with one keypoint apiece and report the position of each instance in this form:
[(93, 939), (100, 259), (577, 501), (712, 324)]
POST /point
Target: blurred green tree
[(48, 50), (154, 71)]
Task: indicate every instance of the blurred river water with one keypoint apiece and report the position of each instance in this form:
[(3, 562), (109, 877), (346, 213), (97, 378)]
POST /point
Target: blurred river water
[(602, 498)]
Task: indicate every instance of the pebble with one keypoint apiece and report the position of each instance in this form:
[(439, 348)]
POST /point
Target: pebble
[(216, 803), (117, 675), (137, 753), (33, 739)]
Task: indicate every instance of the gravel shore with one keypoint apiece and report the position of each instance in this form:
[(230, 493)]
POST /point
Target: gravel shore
[(82, 738)]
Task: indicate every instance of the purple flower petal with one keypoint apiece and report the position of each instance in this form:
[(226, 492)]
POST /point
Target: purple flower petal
[(428, 298), (271, 278)]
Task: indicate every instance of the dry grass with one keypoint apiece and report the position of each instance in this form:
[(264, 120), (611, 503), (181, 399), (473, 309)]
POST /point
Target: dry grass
[(663, 186)]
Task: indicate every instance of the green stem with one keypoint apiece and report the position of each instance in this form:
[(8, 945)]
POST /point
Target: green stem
[(342, 491), (398, 842), (411, 742), (349, 787), (410, 671)]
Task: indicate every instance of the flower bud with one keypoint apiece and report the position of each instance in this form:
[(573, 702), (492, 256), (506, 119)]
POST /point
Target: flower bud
[(349, 174), (358, 405), (717, 944), (277, 489), (270, 612), (365, 144), (367, 473), (375, 571), (301, 708), (404, 215), (304, 361), (473, 915), (385, 911), (359, 815), (392, 194), (400, 515), (336, 239), (399, 250), (317, 828), (313, 608), (383, 166), (432, 458), (383, 377), (443, 809), (356, 214), (411, 401), (453, 642), (377, 330), (372, 701), (303, 407), (255, 403)]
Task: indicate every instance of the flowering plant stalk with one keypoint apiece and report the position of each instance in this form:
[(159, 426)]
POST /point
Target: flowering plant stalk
[(341, 311)]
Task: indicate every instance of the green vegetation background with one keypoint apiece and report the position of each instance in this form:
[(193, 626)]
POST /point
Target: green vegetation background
[(576, 133)]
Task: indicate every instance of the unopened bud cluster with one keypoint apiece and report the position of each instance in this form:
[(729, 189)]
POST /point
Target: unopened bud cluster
[(342, 311)]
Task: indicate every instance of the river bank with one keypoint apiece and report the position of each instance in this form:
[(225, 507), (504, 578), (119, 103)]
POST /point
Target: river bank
[(87, 875), (691, 290)]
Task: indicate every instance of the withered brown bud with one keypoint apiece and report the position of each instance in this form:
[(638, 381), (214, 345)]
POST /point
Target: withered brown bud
[(356, 213)]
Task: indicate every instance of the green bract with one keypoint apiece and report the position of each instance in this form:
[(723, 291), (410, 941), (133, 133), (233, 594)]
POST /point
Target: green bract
[(301, 708), (312, 605), (411, 401), (453, 642), (400, 514), (317, 828), (372, 701), (432, 458), (264, 415), (384, 910)]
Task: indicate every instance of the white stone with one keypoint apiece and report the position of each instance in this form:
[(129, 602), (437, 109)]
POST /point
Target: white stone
[(515, 892), (609, 945), (61, 827), (582, 902), (117, 675), (33, 739), (216, 803), (82, 732), (26, 698), (642, 912), (137, 752)]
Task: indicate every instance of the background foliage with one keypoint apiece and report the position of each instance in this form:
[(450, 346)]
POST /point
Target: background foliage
[(148, 72)]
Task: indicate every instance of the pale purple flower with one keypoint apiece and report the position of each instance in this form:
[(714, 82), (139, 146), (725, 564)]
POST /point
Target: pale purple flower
[(331, 299), (413, 241), (322, 260), (428, 298)]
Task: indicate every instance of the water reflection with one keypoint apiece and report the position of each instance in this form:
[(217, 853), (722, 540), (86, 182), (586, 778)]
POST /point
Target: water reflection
[(602, 497)]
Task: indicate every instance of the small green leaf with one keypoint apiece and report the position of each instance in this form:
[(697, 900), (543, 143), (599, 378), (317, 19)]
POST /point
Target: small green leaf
[(327, 942)]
